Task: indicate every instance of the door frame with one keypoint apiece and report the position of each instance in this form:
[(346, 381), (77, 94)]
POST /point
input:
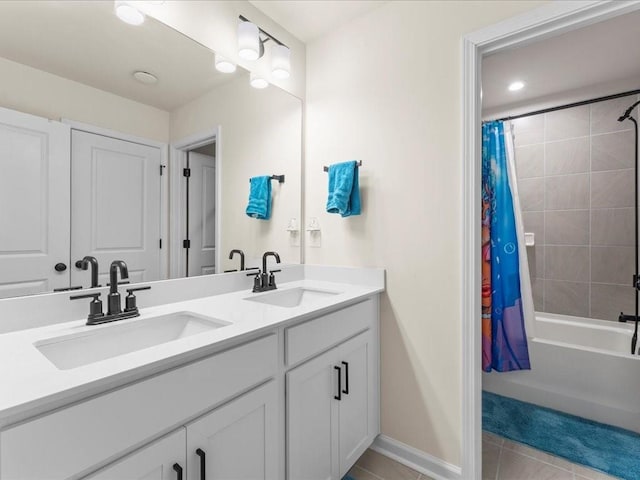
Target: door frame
[(164, 182), (178, 202), (546, 21)]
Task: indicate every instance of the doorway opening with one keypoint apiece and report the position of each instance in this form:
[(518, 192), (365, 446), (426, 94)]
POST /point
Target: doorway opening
[(195, 177), (200, 216)]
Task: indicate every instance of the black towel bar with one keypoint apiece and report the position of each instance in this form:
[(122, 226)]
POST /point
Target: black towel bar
[(280, 178), (359, 164)]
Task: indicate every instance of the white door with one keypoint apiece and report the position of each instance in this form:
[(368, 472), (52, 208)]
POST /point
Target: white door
[(238, 441), (34, 204), (115, 206), (356, 429), (312, 416), (161, 460), (202, 214)]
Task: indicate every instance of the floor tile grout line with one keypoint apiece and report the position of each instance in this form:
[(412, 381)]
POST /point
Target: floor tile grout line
[(542, 461), (369, 472), (499, 462), (572, 464)]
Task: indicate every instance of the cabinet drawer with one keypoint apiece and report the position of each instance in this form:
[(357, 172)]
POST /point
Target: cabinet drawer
[(314, 336), (102, 428)]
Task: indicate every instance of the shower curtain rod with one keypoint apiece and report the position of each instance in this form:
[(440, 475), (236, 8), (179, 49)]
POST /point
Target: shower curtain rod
[(568, 105)]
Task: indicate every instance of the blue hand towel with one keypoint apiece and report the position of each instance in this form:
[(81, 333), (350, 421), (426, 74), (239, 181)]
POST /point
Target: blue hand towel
[(259, 197), (344, 189)]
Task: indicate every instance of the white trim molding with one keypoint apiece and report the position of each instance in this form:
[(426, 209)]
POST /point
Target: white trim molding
[(551, 19), (416, 459), (178, 161)]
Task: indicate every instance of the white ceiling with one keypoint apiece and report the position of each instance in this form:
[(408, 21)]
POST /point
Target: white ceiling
[(310, 19), (604, 53), (84, 41)]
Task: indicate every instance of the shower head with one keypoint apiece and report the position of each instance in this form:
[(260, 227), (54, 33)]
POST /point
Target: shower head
[(628, 112)]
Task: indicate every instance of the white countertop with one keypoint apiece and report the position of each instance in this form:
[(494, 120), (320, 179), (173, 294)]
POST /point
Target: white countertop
[(31, 383)]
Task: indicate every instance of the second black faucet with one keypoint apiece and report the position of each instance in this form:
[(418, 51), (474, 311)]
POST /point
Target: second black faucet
[(265, 281)]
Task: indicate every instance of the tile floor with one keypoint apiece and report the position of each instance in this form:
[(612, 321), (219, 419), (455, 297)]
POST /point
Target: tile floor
[(373, 466), (503, 459)]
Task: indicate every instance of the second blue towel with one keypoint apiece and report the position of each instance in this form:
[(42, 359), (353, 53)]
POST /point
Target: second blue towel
[(344, 189)]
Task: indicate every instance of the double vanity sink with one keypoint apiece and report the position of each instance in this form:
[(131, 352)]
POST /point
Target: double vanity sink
[(230, 374), (126, 336)]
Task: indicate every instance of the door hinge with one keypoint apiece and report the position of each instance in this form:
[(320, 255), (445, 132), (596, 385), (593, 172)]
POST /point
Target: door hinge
[(162, 167), (186, 172), (160, 243), (186, 244)]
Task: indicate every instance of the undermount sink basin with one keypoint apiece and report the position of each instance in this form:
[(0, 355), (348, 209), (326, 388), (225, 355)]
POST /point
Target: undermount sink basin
[(76, 350), (293, 297)]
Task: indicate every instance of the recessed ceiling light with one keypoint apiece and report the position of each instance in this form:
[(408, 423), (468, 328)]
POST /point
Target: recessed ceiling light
[(128, 13), (145, 77), (515, 86)]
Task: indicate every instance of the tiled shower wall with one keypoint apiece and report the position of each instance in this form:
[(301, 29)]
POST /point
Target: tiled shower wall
[(575, 172)]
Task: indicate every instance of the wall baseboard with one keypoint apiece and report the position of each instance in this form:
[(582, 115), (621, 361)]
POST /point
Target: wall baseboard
[(413, 458)]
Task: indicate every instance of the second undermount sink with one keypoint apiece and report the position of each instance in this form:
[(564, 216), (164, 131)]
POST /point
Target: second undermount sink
[(76, 350), (293, 297)]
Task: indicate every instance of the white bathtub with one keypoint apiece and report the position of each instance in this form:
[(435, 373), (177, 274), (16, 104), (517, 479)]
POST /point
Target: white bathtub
[(579, 366)]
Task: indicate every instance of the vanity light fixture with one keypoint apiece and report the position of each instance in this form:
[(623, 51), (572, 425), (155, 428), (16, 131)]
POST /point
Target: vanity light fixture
[(251, 40), (257, 81), (515, 86), (223, 64), (128, 13)]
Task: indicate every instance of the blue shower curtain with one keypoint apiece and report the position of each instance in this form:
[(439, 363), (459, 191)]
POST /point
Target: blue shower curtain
[(504, 339)]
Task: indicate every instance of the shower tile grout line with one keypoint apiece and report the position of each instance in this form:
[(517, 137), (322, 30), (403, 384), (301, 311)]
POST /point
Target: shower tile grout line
[(590, 202), (544, 221), (575, 174)]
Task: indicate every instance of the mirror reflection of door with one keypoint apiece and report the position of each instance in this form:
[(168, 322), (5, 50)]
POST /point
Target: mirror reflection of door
[(34, 204), (115, 206), (201, 211)]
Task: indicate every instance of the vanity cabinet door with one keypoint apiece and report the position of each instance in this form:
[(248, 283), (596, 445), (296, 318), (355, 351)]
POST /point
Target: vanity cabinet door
[(161, 460), (238, 441), (312, 419), (357, 410)]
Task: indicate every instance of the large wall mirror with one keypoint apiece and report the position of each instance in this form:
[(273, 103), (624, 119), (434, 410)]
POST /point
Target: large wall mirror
[(151, 168)]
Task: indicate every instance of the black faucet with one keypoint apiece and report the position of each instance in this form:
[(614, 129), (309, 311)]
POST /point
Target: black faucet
[(84, 265), (114, 307), (265, 281), (241, 253)]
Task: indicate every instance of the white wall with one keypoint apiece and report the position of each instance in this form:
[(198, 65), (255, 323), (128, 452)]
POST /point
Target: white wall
[(214, 24), (386, 89), (261, 135), (33, 91)]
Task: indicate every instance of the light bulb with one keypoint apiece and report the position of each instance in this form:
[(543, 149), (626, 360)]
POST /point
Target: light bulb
[(257, 81), (515, 86), (224, 65)]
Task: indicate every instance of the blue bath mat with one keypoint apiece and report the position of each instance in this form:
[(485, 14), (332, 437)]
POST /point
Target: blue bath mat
[(609, 449)]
